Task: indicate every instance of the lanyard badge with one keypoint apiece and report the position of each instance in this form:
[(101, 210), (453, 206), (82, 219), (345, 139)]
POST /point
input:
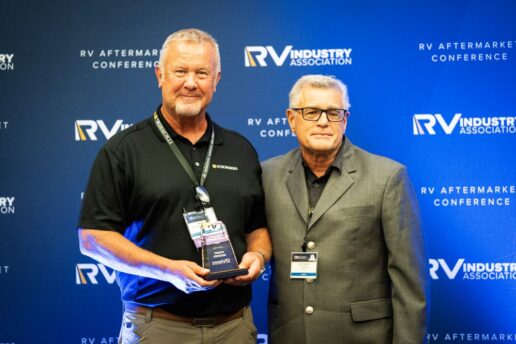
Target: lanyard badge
[(203, 215), (303, 265)]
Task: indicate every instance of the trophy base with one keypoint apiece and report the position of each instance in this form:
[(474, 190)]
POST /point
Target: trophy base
[(225, 274)]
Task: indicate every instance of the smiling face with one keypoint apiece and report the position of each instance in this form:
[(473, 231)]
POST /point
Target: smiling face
[(318, 138), (188, 78)]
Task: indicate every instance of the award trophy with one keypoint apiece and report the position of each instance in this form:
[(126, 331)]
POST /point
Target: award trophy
[(217, 252)]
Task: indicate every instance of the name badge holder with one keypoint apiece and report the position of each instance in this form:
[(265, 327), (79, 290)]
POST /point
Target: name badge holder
[(207, 233), (303, 265)]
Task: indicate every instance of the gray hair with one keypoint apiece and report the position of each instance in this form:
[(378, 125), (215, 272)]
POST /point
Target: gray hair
[(317, 81), (191, 35)]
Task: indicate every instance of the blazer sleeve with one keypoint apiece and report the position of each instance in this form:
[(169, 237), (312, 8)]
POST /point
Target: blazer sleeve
[(406, 259)]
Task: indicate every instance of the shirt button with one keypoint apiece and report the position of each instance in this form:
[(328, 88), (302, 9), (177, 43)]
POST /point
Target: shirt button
[(309, 280), (197, 164), (311, 245), (309, 310), (316, 185), (194, 149)]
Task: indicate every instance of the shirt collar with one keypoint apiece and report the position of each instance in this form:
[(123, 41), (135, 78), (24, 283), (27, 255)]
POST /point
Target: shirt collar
[(175, 136), (337, 162)]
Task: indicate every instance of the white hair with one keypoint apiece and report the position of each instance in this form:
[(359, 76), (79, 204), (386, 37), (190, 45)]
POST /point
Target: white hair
[(317, 81), (191, 35)]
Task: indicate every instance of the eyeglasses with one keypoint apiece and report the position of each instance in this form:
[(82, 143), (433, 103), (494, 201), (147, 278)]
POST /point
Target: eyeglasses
[(314, 114)]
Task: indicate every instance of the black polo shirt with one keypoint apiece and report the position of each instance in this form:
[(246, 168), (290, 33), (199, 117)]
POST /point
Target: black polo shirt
[(138, 188)]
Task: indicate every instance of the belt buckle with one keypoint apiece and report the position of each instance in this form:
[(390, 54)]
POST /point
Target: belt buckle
[(208, 322)]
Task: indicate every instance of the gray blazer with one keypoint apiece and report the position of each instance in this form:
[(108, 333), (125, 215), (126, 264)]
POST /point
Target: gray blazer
[(372, 282)]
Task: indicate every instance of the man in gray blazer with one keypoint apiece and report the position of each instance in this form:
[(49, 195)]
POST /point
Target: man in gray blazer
[(349, 261)]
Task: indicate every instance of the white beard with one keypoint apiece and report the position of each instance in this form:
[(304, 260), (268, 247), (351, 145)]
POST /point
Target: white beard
[(188, 109)]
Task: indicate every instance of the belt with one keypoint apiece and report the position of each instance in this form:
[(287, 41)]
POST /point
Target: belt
[(205, 321)]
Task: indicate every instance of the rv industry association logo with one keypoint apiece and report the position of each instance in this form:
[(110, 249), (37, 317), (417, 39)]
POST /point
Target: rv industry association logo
[(89, 273), (88, 130), (259, 56), (6, 62), (480, 271), (7, 205), (433, 124)]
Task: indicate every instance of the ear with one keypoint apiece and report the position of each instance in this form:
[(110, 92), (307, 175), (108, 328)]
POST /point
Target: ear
[(291, 116), (159, 75), (216, 82)]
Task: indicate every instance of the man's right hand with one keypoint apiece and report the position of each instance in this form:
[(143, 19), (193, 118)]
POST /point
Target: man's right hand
[(187, 276), (114, 250)]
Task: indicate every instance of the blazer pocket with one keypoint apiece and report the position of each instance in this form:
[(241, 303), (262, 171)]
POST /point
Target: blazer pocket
[(357, 211), (371, 310)]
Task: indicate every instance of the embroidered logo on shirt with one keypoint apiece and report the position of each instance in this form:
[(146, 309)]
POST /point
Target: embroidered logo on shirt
[(225, 167)]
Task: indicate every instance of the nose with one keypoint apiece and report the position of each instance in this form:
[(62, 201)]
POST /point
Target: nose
[(323, 120), (190, 81)]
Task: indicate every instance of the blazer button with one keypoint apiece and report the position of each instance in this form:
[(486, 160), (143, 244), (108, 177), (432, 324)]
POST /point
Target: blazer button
[(309, 310), (309, 280), (310, 245)]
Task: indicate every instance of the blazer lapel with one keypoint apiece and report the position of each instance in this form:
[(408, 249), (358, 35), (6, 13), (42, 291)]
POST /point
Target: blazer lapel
[(296, 186), (337, 185)]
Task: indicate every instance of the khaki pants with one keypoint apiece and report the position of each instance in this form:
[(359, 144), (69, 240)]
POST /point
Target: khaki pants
[(144, 328)]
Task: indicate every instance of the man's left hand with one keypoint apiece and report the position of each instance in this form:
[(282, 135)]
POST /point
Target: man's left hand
[(253, 262)]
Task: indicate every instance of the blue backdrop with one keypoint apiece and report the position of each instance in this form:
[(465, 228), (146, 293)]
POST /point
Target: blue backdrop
[(432, 85)]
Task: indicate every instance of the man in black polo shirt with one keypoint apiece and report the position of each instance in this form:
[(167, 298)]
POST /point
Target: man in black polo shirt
[(141, 191)]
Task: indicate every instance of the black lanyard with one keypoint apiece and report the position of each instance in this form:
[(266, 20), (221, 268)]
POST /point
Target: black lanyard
[(186, 166)]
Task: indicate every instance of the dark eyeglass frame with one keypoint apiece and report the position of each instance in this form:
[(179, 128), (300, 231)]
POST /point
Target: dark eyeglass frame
[(345, 114)]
